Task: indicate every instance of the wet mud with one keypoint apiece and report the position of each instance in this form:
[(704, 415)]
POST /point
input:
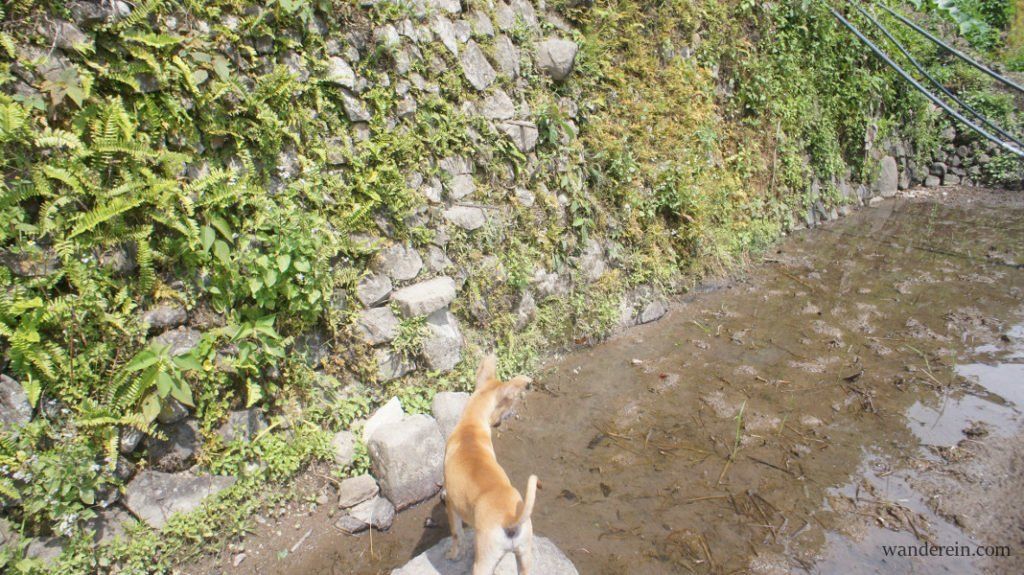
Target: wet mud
[(861, 387)]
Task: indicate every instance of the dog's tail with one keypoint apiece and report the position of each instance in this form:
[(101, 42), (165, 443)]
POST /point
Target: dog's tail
[(526, 507)]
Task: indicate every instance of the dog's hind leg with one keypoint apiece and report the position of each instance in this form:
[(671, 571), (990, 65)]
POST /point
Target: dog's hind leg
[(455, 524), (524, 549), (488, 552)]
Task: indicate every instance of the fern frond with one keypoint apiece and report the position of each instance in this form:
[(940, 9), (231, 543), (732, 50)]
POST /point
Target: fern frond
[(65, 177), (101, 214), (7, 43), (8, 489), (53, 138), (144, 258), (139, 14)]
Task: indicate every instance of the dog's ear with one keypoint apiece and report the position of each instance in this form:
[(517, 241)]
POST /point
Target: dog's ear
[(487, 371)]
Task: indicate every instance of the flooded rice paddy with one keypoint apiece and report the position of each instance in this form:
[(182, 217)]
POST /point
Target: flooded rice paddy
[(861, 387)]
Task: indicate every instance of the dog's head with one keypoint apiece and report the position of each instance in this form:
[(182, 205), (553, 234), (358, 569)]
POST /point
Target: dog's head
[(505, 392)]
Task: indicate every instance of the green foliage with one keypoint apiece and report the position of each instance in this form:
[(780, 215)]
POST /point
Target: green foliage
[(411, 333), (979, 21), (202, 166), (56, 486)]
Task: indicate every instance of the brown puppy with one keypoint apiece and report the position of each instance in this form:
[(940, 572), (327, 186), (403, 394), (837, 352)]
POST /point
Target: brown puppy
[(477, 489)]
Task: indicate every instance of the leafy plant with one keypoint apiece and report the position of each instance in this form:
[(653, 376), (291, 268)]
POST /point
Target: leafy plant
[(154, 377)]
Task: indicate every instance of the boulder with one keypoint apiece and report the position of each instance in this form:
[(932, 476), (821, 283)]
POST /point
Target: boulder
[(447, 409), (92, 12), (392, 364), (400, 262), (64, 35), (386, 415), (406, 107), (653, 311), (950, 179), (466, 217), (432, 191), (481, 23), (340, 73), (180, 341), (154, 496), (888, 178), (437, 260), (504, 16), (932, 181), (506, 56), (498, 106), (242, 425), (45, 549), (355, 490), (378, 513), (442, 346), (377, 325), (121, 259), (130, 439), (426, 297), (314, 346), (343, 444), (449, 6), (524, 11), (445, 31), (164, 316), (549, 284), (355, 109), (31, 264), (109, 524), (177, 451), (172, 411), (591, 262), (461, 186), (408, 459), (525, 197), (524, 134), (373, 289), (14, 406), (547, 560), (456, 165), (555, 57), (476, 68)]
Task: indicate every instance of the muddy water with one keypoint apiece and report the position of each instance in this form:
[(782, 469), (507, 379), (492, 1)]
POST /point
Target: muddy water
[(861, 387)]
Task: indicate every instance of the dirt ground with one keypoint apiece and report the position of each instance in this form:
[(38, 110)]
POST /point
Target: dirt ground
[(859, 388)]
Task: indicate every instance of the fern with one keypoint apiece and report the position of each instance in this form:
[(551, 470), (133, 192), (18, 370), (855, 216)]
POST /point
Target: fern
[(139, 14), (12, 120), (8, 488), (7, 43), (51, 138), (144, 257), (97, 216)]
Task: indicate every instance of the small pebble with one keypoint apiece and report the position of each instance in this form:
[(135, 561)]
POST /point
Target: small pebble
[(238, 559)]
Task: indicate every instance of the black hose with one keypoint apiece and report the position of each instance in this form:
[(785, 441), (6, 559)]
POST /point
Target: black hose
[(936, 83), (885, 58), (952, 50)]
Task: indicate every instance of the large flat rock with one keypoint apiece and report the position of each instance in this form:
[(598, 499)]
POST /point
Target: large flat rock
[(407, 458), (547, 560), (154, 496), (426, 297)]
